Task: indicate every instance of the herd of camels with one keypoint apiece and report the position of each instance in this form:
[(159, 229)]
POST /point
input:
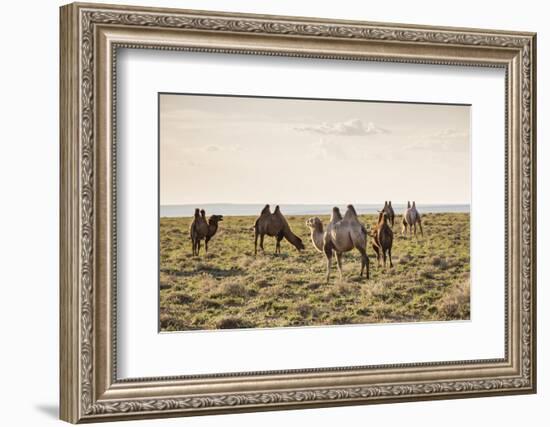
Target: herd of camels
[(343, 233)]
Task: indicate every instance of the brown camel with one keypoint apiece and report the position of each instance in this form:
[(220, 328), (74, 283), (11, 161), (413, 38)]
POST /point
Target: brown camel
[(382, 238), (274, 225), (389, 210), (411, 218), (200, 229), (213, 222), (198, 226), (343, 234)]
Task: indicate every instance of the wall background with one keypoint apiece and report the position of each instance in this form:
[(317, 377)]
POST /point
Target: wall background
[(29, 170)]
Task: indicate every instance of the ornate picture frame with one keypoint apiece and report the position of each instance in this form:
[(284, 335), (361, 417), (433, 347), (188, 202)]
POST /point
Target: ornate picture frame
[(90, 37)]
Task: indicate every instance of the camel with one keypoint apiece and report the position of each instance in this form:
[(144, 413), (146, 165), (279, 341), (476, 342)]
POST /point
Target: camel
[(389, 210), (274, 225), (411, 218), (198, 226), (343, 234), (382, 238), (200, 229), (213, 222)]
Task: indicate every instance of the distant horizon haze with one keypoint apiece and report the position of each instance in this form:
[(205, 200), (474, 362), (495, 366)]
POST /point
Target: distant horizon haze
[(251, 209)]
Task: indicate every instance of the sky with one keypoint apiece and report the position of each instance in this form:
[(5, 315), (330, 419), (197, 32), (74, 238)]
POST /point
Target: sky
[(217, 149)]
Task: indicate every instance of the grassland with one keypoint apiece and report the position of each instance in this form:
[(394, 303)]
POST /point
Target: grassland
[(230, 287)]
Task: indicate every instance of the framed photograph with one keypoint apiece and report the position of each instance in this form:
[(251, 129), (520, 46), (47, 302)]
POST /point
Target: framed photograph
[(266, 212)]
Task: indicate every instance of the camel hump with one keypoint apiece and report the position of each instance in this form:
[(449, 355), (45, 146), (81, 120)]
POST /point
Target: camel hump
[(266, 209), (336, 214), (350, 212), (279, 214)]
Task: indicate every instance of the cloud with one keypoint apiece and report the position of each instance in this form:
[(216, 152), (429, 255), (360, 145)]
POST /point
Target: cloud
[(447, 140), (214, 148), (450, 134), (323, 150), (352, 127)]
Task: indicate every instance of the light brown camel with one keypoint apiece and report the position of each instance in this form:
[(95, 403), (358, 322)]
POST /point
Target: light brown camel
[(411, 218), (200, 229), (343, 234), (382, 238), (389, 210), (274, 225)]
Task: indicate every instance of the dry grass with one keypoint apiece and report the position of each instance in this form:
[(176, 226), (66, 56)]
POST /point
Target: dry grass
[(232, 288)]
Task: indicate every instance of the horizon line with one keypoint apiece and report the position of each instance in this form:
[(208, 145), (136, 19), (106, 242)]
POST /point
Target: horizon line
[(313, 204)]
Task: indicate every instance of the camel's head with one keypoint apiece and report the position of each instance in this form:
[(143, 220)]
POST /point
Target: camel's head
[(314, 224), (214, 219), (299, 244)]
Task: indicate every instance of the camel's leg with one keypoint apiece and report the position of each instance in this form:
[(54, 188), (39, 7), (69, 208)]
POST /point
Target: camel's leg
[(198, 246), (339, 263), (255, 242), (389, 254), (364, 261), (328, 255), (193, 246), (360, 244), (421, 232), (414, 225), (278, 245), (384, 256), (206, 244), (262, 242), (377, 253)]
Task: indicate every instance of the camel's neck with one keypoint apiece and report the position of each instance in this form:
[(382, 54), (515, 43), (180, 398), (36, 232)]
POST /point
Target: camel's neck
[(291, 237), (317, 238), (212, 227)]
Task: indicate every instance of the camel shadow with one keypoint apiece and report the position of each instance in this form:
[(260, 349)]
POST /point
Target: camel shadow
[(274, 255), (213, 271)]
